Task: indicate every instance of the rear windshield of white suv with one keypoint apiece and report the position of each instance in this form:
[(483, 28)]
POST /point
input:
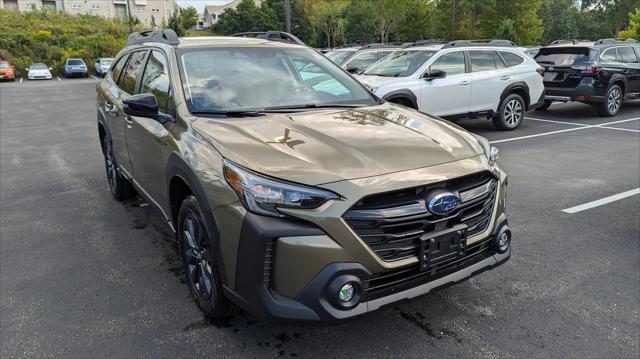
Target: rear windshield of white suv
[(564, 56), (75, 63), (400, 63)]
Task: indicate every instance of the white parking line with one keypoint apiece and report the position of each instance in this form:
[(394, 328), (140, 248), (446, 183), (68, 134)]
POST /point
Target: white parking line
[(600, 202), (57, 77), (95, 78), (21, 80), (620, 129), (554, 121), (584, 127)]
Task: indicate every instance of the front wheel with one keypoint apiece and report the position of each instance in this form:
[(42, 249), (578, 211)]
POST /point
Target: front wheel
[(198, 257), (613, 102), (510, 113)]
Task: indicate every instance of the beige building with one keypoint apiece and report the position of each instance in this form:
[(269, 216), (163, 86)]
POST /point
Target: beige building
[(142, 9)]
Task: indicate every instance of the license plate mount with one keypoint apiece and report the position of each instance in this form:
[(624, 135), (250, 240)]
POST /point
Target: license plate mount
[(442, 247)]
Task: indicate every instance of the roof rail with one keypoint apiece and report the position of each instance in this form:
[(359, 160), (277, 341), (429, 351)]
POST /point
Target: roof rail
[(272, 35), (614, 41), (348, 45), (425, 42), (377, 45), (568, 41), (166, 36), (469, 43)]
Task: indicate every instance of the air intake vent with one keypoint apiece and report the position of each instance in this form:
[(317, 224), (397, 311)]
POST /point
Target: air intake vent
[(268, 264)]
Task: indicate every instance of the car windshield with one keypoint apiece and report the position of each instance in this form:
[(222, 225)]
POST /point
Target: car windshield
[(4, 65), (257, 78), (339, 57), (564, 56), (106, 62), (75, 63), (39, 67), (400, 63)]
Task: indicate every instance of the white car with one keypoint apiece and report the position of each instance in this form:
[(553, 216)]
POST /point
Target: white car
[(461, 79), (39, 71)]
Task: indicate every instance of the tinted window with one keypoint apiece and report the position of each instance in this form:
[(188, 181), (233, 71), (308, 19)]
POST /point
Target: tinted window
[(511, 59), (627, 55), (400, 63), (482, 61), (155, 80), (254, 78), (499, 63), (117, 69), (564, 56), (384, 53), (363, 60), (611, 55), (339, 57), (128, 82), (39, 66), (75, 62), (637, 51), (451, 63)]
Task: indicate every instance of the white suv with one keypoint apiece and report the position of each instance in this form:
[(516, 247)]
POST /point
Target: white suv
[(461, 78)]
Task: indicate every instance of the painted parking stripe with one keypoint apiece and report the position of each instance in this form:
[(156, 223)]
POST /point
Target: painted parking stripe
[(21, 80), (554, 121), (602, 125), (95, 78), (602, 201), (620, 129), (58, 77)]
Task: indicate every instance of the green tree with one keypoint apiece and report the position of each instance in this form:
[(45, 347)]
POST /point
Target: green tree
[(522, 13), (188, 17), (246, 17), (507, 31), (633, 31), (328, 18), (559, 19), (175, 24)]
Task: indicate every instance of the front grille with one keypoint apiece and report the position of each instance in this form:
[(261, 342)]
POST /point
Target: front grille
[(391, 224), (383, 284)]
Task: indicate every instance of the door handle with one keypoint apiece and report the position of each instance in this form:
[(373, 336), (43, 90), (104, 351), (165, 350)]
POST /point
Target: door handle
[(465, 83), (505, 78), (129, 121)]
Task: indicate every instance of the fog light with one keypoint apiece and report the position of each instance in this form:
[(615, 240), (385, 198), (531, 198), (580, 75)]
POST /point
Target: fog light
[(346, 293), (503, 240)]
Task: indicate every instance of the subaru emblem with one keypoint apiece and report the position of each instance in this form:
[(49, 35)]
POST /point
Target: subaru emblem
[(443, 203)]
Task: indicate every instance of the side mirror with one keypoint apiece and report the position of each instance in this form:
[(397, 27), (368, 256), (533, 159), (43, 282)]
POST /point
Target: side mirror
[(435, 74), (144, 105)]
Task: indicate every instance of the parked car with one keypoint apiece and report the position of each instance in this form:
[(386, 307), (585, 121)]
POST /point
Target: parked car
[(340, 54), (101, 66), (289, 200), (7, 71), (39, 71), (603, 73), (532, 50), (75, 68), (492, 79), (363, 57)]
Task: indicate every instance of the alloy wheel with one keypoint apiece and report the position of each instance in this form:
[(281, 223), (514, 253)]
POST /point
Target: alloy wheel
[(513, 113), (197, 257), (614, 100)]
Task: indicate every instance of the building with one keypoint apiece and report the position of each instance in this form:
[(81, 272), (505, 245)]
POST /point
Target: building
[(144, 10), (212, 13)]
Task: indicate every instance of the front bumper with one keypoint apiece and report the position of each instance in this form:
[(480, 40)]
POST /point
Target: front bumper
[(287, 269)]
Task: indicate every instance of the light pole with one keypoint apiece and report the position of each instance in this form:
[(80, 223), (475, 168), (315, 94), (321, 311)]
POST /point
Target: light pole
[(130, 17), (453, 20), (287, 14)]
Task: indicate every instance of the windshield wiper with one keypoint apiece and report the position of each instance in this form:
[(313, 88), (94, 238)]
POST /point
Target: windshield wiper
[(310, 105), (249, 113)]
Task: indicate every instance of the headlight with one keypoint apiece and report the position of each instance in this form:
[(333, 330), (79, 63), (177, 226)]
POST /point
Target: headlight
[(490, 151), (262, 195)]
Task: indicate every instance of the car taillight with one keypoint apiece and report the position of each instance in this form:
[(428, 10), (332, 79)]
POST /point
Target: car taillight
[(586, 69), (540, 70)]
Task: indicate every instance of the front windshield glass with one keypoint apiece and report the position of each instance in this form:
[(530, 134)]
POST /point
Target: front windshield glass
[(39, 67), (339, 57), (400, 63), (4, 65), (106, 62), (254, 79)]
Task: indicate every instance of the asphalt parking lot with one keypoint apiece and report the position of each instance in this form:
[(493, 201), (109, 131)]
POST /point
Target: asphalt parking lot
[(83, 276)]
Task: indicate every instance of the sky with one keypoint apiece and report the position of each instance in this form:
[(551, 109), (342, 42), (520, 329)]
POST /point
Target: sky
[(199, 4)]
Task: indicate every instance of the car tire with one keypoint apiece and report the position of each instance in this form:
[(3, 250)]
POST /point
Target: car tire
[(544, 106), (510, 113), (201, 268), (612, 103), (120, 187)]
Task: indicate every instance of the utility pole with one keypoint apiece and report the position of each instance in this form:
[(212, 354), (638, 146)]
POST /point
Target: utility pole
[(130, 17), (453, 20), (287, 14)]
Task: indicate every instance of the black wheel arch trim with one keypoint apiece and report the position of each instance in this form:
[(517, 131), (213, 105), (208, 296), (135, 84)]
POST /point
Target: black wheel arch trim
[(177, 168), (102, 122), (615, 79), (520, 85), (403, 93)]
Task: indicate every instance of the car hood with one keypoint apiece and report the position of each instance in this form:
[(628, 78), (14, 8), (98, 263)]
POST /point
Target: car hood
[(323, 146), (377, 81)]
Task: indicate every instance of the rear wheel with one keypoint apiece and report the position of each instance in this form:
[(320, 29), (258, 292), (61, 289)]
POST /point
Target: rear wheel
[(201, 269), (120, 188), (510, 113), (544, 106), (612, 103)]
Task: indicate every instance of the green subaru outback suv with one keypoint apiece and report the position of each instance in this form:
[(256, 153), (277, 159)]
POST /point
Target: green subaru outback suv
[(293, 191)]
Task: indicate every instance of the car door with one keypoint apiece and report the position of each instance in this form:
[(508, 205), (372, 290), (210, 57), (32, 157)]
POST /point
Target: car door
[(489, 78), (632, 68), (148, 141), (448, 95), (113, 113)]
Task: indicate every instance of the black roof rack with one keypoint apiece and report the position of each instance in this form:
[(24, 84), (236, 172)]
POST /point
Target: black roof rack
[(614, 41), (377, 46), (166, 36), (469, 43), (568, 41), (272, 35), (423, 43)]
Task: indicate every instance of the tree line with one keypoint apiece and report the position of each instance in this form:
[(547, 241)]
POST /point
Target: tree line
[(329, 23)]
